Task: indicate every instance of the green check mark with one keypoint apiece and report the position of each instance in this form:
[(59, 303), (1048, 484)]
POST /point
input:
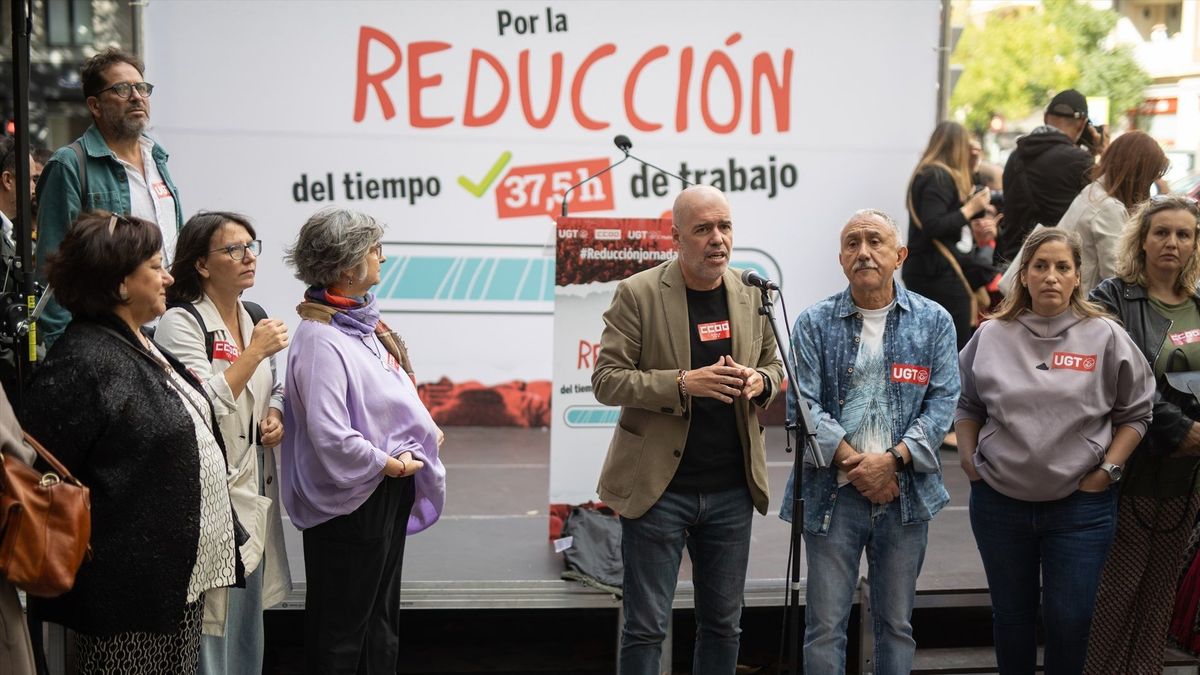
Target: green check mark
[(490, 178)]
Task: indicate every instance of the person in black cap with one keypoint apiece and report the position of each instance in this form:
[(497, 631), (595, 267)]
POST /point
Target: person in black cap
[(1045, 173)]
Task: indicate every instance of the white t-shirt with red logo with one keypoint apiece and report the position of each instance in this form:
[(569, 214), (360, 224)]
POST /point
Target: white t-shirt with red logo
[(866, 415), (150, 198)]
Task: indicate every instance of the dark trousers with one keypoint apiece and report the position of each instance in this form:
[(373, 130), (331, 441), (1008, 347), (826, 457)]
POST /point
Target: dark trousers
[(1060, 546), (352, 598)]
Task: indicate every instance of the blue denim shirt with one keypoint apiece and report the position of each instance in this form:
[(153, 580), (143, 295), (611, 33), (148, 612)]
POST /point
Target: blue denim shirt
[(825, 341)]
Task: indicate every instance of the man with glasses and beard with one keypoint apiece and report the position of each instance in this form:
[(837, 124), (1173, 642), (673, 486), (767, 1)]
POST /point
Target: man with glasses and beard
[(125, 171)]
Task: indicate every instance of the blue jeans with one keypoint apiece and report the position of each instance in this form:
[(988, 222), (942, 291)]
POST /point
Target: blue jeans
[(1065, 541), (895, 553), (240, 650), (716, 529)]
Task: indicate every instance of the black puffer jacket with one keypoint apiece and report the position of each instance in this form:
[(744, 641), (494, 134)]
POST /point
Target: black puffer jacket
[(1130, 303), (1041, 179), (109, 413)]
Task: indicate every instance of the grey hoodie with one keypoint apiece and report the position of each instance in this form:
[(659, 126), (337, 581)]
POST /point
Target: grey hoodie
[(1049, 391)]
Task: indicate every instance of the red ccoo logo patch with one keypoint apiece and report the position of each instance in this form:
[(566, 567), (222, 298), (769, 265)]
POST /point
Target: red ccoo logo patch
[(1082, 362), (904, 373), (226, 351), (717, 330)]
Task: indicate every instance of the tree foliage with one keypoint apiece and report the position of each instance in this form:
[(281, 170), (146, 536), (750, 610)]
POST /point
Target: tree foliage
[(1020, 56)]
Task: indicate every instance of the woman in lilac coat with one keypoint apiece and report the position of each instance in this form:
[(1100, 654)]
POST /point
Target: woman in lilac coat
[(360, 456)]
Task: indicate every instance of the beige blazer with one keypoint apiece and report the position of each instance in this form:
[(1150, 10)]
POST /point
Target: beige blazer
[(645, 343)]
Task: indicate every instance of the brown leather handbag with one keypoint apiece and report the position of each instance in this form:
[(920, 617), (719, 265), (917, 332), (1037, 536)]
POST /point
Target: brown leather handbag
[(45, 524)]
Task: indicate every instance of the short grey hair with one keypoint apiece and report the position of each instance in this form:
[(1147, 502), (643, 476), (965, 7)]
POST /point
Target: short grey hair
[(333, 241), (881, 215)]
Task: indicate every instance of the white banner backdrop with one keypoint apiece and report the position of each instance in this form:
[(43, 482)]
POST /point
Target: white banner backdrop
[(459, 124)]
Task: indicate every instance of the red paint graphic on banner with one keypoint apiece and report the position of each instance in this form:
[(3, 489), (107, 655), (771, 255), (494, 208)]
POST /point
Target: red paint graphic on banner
[(538, 189), (161, 191), (904, 373), (717, 330), (1187, 337), (1082, 362), (226, 351)]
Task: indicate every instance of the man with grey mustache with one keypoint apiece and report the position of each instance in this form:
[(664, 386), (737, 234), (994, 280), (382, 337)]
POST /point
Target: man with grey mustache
[(879, 365)]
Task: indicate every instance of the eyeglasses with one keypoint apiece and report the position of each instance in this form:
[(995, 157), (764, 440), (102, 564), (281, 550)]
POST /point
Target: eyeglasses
[(377, 249), (125, 89), (237, 252)]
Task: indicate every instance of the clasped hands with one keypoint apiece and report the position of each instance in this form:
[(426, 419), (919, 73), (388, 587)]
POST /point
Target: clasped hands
[(724, 380), (873, 475)]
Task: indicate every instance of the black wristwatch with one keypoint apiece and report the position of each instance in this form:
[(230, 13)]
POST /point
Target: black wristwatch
[(898, 457)]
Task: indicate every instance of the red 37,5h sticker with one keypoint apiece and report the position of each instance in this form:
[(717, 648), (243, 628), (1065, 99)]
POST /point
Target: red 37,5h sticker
[(717, 330), (1082, 362), (904, 373)]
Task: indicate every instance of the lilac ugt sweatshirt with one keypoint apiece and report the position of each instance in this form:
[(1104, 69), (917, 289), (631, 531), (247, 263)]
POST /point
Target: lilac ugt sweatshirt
[(1049, 392), (344, 414)]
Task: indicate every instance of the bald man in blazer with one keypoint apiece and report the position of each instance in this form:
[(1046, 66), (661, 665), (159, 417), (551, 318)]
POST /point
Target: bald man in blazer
[(688, 358)]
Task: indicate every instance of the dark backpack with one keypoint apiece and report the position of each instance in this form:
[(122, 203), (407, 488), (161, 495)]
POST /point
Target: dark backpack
[(256, 312)]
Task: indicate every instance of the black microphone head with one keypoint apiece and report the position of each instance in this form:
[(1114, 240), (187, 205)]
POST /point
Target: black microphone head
[(748, 277), (623, 143), (752, 278)]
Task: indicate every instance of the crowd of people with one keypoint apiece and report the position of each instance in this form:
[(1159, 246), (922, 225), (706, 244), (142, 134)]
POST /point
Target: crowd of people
[(161, 393), (1052, 319), (1074, 419)]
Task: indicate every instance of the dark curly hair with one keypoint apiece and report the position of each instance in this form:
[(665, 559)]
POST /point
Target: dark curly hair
[(92, 72), (90, 264)]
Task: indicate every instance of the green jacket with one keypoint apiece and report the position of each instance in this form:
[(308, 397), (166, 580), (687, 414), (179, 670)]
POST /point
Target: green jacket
[(59, 204)]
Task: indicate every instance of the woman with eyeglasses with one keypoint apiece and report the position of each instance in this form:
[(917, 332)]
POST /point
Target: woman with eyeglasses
[(360, 458), (134, 425), (1155, 297), (216, 335)]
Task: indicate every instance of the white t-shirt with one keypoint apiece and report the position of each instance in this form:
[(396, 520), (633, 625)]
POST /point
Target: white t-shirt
[(150, 198), (866, 415)]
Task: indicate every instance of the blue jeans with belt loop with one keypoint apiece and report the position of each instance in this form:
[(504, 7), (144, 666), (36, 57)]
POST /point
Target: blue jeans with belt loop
[(1065, 542), (715, 528), (895, 553)]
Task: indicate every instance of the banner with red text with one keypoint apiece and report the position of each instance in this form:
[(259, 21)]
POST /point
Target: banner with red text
[(462, 124), (593, 256)]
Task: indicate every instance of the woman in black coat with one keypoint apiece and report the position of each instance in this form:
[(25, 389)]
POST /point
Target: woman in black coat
[(940, 205), (129, 421)]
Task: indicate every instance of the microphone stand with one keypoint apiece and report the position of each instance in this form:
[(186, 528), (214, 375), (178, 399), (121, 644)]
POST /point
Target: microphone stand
[(623, 144), (805, 433), (22, 25)]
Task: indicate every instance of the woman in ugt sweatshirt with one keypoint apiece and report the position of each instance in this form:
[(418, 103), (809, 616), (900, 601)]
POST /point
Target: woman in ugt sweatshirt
[(1055, 397)]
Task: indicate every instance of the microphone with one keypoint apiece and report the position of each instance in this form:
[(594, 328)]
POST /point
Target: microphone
[(624, 145), (751, 278)]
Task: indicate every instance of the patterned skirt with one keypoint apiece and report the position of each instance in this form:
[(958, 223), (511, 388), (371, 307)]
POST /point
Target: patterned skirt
[(1137, 587), (141, 653)]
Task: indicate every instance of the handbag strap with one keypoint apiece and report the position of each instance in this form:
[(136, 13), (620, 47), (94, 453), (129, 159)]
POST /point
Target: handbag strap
[(950, 258), (45, 454)]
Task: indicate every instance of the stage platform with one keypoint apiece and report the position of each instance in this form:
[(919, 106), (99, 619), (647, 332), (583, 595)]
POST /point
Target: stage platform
[(491, 548)]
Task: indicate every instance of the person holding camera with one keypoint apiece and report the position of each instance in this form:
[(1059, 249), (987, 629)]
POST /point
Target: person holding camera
[(1046, 171), (941, 202)]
